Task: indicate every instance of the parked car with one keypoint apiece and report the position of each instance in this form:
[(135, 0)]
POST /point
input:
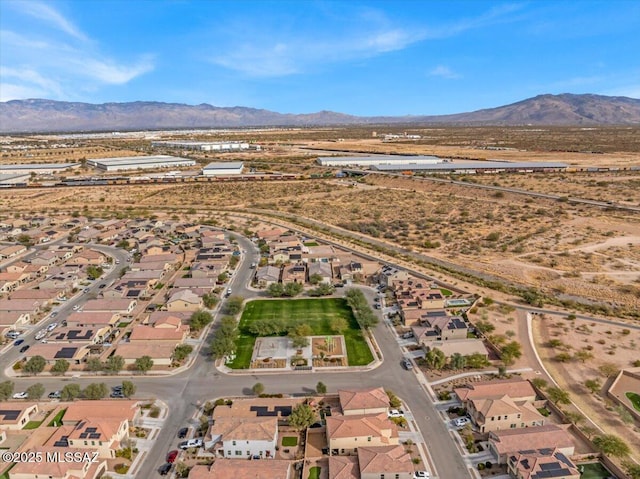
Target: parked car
[(102, 286), (421, 475), (172, 455), (20, 395), (165, 469), (54, 395), (182, 433), (52, 326), (86, 290), (462, 421), (395, 413), (18, 342), (54, 314), (12, 334), (24, 348), (406, 363), (190, 443), (76, 307)]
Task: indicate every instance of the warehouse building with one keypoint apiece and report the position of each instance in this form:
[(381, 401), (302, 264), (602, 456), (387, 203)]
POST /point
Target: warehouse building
[(139, 163), (37, 168), (471, 167), (378, 160), (12, 179), (227, 168), (204, 145)]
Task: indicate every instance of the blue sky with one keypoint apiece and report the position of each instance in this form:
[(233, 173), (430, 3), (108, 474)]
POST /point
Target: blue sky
[(357, 57)]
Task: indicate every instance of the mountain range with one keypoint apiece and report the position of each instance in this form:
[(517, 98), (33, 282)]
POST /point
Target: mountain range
[(36, 115)]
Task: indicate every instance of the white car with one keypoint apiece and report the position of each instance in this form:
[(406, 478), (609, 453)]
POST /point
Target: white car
[(52, 326), (462, 421), (421, 475), (20, 395), (395, 413), (41, 334), (76, 307)]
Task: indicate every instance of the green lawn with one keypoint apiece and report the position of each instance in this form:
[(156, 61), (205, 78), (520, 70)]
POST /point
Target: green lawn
[(635, 400), (314, 472), (32, 425), (57, 420), (446, 292), (594, 470), (311, 243), (289, 441), (315, 312)]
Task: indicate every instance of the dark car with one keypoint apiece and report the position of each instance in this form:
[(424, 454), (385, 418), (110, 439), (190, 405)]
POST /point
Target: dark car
[(24, 348), (102, 286), (182, 433), (18, 342), (171, 456), (165, 469)]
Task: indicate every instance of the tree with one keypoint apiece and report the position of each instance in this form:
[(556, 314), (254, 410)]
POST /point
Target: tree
[(94, 365), (611, 445), (484, 327), (35, 391), (323, 289), (321, 388), (394, 401), (574, 417), (608, 369), (533, 298), (233, 305), (114, 364), (123, 244), (563, 357), (95, 391), (477, 361), (128, 388), (60, 367), (143, 364), (182, 352), (94, 272), (35, 365), (199, 319), (302, 416), (435, 359), (315, 279), (299, 341), (510, 352), (625, 416), (539, 383), (222, 277), (632, 469), (457, 361), (275, 290), (70, 392), (210, 300), (593, 385), (292, 289), (257, 389), (222, 346), (583, 355), (6, 390), (558, 396), (338, 325)]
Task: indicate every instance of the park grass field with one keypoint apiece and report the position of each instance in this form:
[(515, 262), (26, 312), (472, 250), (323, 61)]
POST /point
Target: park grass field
[(317, 313)]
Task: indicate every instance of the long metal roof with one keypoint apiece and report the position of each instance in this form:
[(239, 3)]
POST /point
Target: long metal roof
[(478, 165)]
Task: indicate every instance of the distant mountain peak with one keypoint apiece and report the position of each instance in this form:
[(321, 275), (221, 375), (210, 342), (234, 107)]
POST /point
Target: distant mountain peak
[(42, 115)]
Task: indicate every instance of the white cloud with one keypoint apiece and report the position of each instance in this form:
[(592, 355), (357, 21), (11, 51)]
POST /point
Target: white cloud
[(48, 64), (443, 71), (51, 16), (274, 51)]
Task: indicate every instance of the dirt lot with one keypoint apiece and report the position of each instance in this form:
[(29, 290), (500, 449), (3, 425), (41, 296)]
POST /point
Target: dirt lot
[(601, 351)]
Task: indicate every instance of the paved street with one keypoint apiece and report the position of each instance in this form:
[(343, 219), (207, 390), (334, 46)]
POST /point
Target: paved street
[(187, 390)]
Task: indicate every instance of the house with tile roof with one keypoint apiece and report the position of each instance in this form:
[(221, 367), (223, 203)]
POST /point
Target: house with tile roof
[(233, 469), (541, 464), (345, 434), (363, 401), (492, 414), (387, 461), (503, 443), (237, 438), (60, 469)]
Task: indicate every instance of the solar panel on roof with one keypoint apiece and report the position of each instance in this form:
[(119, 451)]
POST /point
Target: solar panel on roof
[(10, 414), (550, 465), (95, 435), (65, 353), (91, 429), (84, 435)]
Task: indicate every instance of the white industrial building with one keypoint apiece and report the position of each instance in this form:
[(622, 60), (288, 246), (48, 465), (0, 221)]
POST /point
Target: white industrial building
[(226, 168), (204, 145), (12, 179), (375, 160), (471, 167), (37, 168), (139, 162)]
